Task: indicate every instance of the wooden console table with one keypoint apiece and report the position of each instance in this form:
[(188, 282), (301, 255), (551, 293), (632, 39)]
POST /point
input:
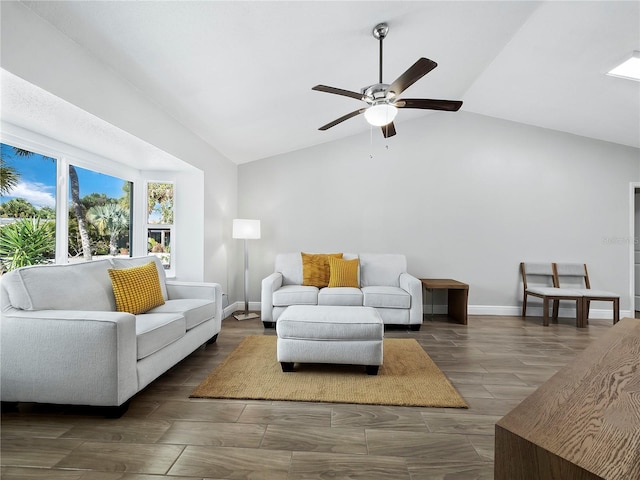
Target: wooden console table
[(584, 422), (458, 295)]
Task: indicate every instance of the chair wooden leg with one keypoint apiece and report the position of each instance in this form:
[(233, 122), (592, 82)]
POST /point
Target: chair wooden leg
[(524, 305), (587, 305), (545, 311), (616, 310), (581, 321), (556, 308)]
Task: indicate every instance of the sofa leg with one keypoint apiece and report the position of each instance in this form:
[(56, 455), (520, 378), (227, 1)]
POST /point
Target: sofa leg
[(415, 327), (8, 407), (116, 412), (212, 339), (287, 366), (372, 369), (269, 324)]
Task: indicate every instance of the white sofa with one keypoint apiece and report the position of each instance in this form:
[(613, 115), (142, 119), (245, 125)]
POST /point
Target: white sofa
[(384, 285), (62, 340)]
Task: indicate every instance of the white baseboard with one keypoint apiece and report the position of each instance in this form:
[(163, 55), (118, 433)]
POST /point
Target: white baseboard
[(498, 310), (533, 311), (239, 307)]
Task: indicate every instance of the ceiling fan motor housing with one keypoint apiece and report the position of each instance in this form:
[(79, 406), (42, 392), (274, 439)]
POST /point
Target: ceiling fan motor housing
[(376, 93)]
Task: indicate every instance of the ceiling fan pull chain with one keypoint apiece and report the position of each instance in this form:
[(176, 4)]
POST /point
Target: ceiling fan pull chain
[(371, 141)]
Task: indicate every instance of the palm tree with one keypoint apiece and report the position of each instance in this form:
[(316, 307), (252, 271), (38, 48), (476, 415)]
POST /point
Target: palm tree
[(77, 209), (9, 177), (110, 219)]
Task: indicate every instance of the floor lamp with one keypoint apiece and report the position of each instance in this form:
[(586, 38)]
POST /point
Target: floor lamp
[(246, 230)]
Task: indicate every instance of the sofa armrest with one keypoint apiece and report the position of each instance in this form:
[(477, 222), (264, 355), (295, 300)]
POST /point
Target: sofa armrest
[(412, 285), (203, 290), (269, 285), (68, 357), (208, 291)]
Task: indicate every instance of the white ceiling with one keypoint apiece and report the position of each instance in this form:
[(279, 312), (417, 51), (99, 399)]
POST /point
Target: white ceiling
[(239, 73), (29, 106)]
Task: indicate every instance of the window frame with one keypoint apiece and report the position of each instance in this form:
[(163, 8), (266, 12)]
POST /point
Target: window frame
[(66, 155)]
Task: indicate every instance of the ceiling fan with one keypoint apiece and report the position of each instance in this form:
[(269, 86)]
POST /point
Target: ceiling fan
[(381, 98)]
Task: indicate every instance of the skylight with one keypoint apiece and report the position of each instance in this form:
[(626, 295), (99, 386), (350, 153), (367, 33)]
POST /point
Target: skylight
[(629, 69)]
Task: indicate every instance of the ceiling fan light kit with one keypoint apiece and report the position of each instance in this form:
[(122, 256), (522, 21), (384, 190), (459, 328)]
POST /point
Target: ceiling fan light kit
[(381, 114), (381, 98)]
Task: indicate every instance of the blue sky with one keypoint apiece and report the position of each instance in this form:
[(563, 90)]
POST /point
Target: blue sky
[(38, 180)]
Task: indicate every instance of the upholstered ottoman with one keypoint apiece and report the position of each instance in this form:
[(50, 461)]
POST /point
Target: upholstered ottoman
[(330, 334)]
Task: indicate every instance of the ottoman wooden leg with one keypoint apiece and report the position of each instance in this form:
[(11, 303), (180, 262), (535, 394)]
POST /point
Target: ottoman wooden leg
[(287, 366), (372, 369)]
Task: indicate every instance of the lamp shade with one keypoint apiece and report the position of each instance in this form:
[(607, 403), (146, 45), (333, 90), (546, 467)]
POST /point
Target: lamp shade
[(381, 114), (247, 229)]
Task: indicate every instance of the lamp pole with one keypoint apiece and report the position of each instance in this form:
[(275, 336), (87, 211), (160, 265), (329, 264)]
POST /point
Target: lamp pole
[(246, 278), (246, 229)]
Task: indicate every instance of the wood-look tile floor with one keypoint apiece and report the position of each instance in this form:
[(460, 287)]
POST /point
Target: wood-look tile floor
[(494, 362)]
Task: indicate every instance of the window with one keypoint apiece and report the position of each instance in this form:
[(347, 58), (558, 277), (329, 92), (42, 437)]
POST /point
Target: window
[(27, 208), (159, 226), (96, 223), (99, 215)]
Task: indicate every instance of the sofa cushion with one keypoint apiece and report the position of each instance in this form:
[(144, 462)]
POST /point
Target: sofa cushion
[(295, 295), (345, 296), (386, 297), (136, 289), (344, 273), (78, 286), (154, 331), (194, 310), (315, 268), (124, 262), (381, 269)]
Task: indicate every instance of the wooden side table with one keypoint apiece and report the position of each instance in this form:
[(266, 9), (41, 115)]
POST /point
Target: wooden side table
[(458, 295)]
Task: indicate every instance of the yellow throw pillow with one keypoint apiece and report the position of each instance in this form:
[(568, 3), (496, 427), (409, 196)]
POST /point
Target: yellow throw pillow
[(315, 268), (136, 289), (344, 273)]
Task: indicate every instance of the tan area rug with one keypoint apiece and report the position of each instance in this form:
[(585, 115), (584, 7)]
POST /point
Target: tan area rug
[(407, 378)]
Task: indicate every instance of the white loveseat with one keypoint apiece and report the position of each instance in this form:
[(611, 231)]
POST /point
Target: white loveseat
[(383, 284), (62, 340)]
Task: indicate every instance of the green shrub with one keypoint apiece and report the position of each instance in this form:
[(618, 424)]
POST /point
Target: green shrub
[(29, 241)]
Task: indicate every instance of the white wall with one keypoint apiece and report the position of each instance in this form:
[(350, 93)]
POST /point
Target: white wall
[(636, 247), (464, 196)]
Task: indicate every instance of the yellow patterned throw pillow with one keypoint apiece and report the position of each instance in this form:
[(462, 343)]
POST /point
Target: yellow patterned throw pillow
[(344, 273), (136, 289), (315, 268)]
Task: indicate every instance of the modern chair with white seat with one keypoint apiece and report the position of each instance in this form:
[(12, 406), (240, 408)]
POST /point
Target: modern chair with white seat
[(547, 291), (576, 277)]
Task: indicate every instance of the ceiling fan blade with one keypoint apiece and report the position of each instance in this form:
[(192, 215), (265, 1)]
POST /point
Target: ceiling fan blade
[(337, 91), (388, 130), (429, 104), (414, 73), (342, 119)]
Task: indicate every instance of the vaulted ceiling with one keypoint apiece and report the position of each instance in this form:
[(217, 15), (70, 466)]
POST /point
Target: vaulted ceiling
[(239, 73)]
